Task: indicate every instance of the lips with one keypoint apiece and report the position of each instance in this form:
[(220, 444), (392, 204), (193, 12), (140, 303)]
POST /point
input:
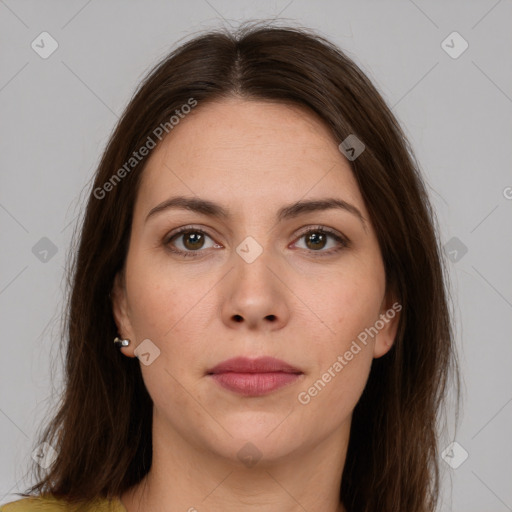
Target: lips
[(259, 365), (254, 377)]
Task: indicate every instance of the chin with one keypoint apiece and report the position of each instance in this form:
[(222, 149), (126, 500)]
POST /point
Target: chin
[(259, 437)]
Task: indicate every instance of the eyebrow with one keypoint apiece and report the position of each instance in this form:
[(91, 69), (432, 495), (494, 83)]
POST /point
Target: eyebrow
[(211, 209)]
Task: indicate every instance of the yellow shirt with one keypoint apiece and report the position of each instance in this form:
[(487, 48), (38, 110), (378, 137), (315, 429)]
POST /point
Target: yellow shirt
[(50, 504)]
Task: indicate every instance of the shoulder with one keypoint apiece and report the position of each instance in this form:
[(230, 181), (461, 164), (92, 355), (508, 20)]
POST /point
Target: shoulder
[(51, 504), (31, 504)]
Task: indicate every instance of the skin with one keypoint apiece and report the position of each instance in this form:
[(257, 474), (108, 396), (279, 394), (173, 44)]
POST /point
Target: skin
[(251, 157)]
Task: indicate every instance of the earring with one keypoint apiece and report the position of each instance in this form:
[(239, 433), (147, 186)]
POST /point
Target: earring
[(121, 343)]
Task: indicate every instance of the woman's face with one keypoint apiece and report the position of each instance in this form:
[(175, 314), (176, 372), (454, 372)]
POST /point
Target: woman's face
[(260, 279)]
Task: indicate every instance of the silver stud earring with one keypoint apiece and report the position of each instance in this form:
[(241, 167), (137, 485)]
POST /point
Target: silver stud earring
[(121, 343)]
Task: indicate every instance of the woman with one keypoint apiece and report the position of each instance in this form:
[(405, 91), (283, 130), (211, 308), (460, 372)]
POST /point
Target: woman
[(260, 247)]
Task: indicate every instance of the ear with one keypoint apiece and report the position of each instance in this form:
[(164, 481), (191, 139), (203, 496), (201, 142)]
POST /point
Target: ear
[(121, 313), (387, 325)]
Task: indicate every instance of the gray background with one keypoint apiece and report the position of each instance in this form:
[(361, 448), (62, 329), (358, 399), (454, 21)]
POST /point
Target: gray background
[(58, 112)]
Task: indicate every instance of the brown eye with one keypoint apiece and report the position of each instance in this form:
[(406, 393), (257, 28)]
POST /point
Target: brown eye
[(193, 240), (189, 242), (316, 240)]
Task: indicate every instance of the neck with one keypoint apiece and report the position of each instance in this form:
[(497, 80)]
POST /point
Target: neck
[(187, 478)]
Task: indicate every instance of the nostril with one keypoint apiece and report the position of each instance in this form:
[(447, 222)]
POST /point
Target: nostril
[(238, 318)]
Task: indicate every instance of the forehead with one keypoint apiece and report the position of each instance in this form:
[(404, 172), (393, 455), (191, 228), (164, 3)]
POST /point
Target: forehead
[(248, 153)]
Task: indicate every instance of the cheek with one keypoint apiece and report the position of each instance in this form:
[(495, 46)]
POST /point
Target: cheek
[(173, 308), (158, 297), (152, 309), (333, 392), (341, 359), (343, 305)]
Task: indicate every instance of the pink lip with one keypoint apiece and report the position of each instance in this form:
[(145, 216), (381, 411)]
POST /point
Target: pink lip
[(254, 377)]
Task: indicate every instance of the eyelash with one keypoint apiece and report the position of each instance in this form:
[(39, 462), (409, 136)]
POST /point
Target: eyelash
[(343, 241)]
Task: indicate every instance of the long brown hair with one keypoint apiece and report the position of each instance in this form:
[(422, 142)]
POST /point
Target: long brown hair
[(102, 429)]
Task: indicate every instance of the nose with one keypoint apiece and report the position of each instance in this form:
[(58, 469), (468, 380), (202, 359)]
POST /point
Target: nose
[(255, 294)]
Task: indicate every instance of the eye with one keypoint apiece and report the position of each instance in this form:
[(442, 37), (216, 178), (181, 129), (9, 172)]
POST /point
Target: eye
[(188, 241), (317, 239)]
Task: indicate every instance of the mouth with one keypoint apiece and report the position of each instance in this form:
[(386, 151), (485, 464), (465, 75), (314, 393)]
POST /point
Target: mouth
[(254, 377)]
